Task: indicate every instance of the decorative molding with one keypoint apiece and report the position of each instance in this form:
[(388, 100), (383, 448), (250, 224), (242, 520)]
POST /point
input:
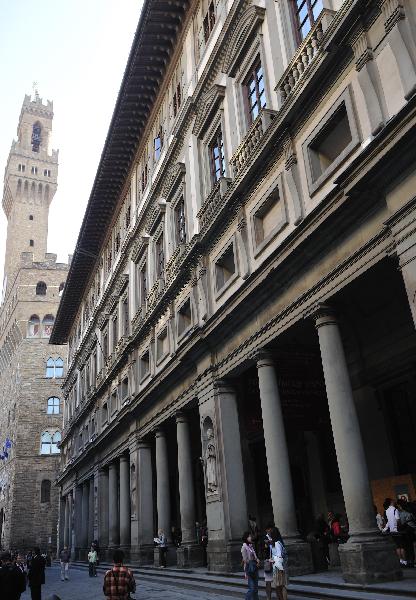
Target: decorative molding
[(247, 27), (362, 50), (393, 12), (289, 152), (139, 246), (173, 177), (207, 106)]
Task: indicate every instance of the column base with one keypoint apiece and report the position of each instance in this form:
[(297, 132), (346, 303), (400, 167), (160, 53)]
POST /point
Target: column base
[(369, 561), (190, 555), (224, 556), (142, 555), (300, 557)]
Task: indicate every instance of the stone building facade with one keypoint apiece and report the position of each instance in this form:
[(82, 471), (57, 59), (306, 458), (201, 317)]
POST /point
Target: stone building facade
[(31, 370), (240, 309)]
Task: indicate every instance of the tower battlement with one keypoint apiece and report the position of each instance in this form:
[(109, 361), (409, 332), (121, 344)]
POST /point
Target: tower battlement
[(36, 107)]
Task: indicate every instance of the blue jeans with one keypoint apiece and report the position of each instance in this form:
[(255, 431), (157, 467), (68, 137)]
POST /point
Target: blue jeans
[(253, 587)]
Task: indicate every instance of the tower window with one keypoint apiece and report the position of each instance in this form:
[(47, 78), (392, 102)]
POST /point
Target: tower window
[(30, 217), (36, 137), (45, 491), (46, 173), (31, 243), (21, 168), (41, 288), (34, 171), (53, 406)]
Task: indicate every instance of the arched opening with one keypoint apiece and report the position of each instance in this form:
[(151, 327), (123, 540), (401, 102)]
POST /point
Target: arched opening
[(34, 326), (47, 325), (41, 288), (36, 136), (59, 367), (50, 368), (54, 404)]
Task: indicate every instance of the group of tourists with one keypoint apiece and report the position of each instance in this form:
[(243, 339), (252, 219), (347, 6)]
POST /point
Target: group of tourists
[(399, 521), (274, 564), (18, 571)]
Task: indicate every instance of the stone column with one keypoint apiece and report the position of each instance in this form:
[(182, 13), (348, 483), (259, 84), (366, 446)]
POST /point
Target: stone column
[(162, 488), (66, 539), (103, 508), (316, 475), (142, 527), (366, 557), (91, 513), (113, 513), (78, 520), (84, 515), (124, 502), (189, 553), (278, 465), (71, 525)]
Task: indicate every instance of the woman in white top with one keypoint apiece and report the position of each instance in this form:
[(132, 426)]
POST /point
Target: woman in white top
[(279, 555)]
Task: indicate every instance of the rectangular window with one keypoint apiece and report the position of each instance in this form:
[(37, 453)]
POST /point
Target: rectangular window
[(162, 344), (184, 318), (125, 313), (34, 170), (209, 21), (177, 99), (124, 388), (180, 222), (113, 400), (225, 267), (267, 218), (105, 345), (157, 145), (305, 14), (255, 94), (115, 330), (144, 364), (216, 157), (143, 283), (160, 257)]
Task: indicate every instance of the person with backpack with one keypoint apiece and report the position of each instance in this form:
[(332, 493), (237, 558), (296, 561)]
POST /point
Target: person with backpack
[(251, 567), (119, 581), (12, 579), (280, 561)]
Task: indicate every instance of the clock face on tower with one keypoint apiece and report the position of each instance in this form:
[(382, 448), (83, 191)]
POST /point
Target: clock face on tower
[(36, 137)]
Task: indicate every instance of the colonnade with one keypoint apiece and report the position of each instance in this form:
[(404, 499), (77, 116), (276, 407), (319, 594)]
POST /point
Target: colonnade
[(125, 485)]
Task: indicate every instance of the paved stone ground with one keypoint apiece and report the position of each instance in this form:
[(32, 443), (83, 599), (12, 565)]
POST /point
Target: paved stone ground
[(83, 587)]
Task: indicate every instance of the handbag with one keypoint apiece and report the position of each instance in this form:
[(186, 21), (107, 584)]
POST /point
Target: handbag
[(268, 565), (252, 567)]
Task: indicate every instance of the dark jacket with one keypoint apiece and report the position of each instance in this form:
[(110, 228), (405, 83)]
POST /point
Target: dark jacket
[(36, 573), (12, 582)]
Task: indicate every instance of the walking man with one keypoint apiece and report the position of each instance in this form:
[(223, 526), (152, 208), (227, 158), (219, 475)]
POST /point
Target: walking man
[(92, 562), (64, 557), (36, 574)]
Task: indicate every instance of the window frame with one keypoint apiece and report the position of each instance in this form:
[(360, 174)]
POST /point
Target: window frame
[(310, 17), (251, 75), (53, 406), (219, 291), (217, 141)]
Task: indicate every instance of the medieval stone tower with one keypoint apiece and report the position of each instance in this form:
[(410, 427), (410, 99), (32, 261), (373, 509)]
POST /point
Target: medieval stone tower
[(31, 370)]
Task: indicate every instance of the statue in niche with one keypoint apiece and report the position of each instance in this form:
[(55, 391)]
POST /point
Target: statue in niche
[(211, 463), (133, 494)]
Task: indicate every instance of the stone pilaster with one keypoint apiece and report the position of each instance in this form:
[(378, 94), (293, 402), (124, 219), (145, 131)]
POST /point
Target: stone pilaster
[(124, 503), (141, 505), (113, 507)]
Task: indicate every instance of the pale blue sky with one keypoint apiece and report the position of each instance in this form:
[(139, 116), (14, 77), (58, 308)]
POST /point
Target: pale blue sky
[(77, 51)]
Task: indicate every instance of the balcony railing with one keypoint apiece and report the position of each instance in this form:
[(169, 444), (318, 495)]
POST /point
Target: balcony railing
[(304, 56), (212, 202), (251, 140)]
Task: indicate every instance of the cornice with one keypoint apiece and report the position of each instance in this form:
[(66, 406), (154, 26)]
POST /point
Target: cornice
[(207, 107)]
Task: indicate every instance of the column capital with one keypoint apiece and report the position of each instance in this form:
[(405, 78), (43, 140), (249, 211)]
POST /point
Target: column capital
[(263, 358), (224, 385), (322, 314), (160, 433), (124, 458), (181, 417)]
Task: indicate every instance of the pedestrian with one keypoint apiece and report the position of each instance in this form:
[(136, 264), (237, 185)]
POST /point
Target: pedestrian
[(119, 581), (92, 562), (379, 519), (162, 542), (268, 561), (407, 527), (36, 574), (254, 532), (251, 567), (12, 580), (279, 554), (323, 535), (64, 558), (392, 527), (204, 542)]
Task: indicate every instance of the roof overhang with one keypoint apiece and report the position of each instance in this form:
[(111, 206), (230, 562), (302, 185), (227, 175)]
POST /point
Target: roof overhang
[(155, 38)]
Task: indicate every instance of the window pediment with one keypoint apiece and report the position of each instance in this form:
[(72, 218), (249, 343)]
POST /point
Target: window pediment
[(139, 247), (173, 179), (207, 107), (242, 38)]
